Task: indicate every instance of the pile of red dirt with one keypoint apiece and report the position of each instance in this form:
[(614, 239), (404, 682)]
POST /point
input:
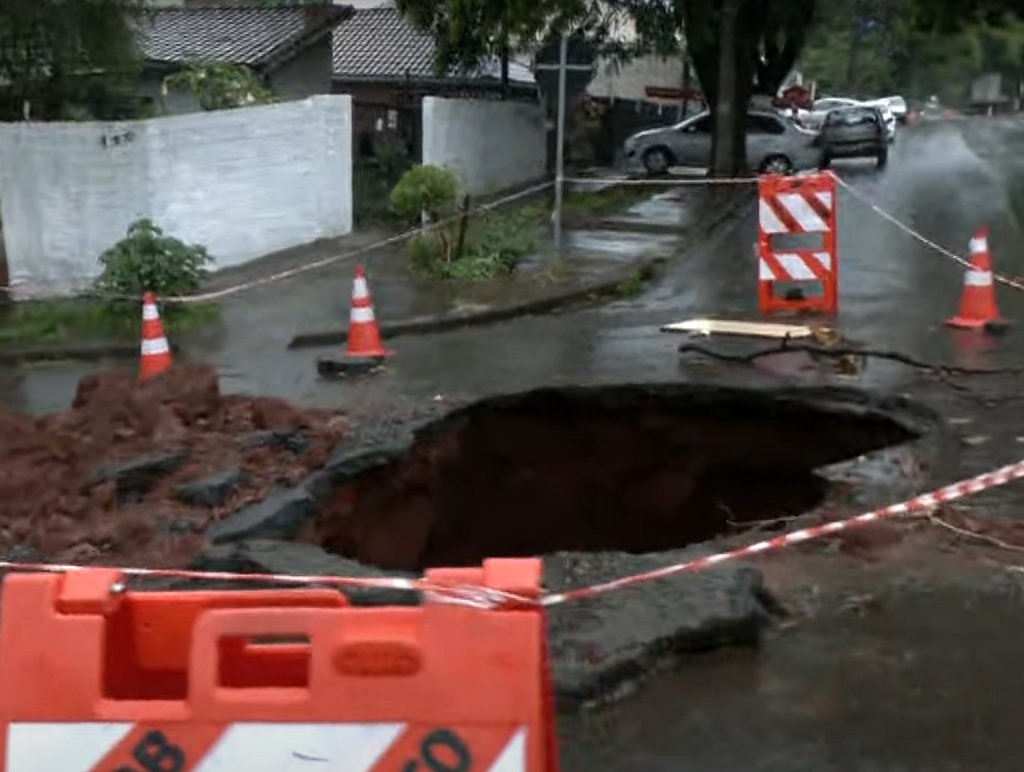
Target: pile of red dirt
[(62, 476)]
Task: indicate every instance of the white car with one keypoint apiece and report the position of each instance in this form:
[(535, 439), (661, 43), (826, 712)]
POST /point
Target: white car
[(815, 118), (887, 113), (775, 145)]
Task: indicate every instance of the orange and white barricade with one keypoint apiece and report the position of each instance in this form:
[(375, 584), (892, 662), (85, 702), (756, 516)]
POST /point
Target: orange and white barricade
[(97, 679), (803, 274)]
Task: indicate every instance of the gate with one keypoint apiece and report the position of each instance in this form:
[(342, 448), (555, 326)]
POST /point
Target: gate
[(386, 143)]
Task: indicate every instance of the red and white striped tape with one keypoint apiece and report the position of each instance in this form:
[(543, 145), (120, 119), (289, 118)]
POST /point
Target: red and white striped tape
[(486, 597)]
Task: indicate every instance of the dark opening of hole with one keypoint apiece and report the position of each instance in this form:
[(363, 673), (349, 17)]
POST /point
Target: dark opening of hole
[(638, 469)]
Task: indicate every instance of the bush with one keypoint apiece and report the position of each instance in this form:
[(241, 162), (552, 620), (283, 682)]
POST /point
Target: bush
[(147, 260)]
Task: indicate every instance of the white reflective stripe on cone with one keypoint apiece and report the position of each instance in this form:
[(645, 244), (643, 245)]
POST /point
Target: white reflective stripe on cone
[(158, 346), (978, 245), (362, 315), (978, 279), (359, 289), (149, 312)]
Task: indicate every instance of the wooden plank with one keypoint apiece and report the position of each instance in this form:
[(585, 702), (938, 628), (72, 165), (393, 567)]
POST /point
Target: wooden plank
[(734, 327)]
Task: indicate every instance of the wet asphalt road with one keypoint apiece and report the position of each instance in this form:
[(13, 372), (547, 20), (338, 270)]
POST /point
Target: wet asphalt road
[(930, 681), (894, 293)]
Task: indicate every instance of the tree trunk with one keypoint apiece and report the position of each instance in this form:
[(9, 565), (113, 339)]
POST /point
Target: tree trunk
[(506, 87), (727, 122)]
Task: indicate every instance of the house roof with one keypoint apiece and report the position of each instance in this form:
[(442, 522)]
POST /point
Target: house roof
[(381, 44), (256, 37)]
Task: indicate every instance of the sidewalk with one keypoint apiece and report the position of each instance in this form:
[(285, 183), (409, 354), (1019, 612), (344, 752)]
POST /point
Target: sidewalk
[(319, 299)]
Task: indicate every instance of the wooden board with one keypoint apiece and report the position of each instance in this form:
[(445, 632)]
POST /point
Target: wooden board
[(732, 327)]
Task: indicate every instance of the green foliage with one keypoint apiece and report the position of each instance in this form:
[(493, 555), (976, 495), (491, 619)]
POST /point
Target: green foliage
[(65, 60), (220, 85), (430, 193), (147, 260), (428, 190), (874, 47), (70, 320), (493, 245)]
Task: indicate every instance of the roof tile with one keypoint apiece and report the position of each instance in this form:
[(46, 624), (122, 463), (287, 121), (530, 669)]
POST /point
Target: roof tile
[(381, 43), (240, 35)]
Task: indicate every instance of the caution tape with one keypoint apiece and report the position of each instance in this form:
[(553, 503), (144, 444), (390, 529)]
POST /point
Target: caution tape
[(923, 503), (892, 220), (234, 289), (669, 182), (484, 597)]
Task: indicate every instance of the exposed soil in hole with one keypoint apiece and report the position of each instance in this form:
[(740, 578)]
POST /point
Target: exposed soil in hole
[(638, 469)]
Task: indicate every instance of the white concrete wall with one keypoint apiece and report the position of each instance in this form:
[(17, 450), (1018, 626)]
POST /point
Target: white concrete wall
[(243, 183), (490, 145)]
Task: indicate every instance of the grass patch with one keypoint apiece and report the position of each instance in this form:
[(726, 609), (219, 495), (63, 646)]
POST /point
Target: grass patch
[(495, 243), (600, 203), (497, 240), (81, 319)]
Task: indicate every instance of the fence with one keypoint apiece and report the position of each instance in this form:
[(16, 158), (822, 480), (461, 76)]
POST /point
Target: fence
[(386, 143), (241, 182)]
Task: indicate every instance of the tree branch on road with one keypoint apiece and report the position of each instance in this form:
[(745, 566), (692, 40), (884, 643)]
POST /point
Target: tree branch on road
[(836, 352)]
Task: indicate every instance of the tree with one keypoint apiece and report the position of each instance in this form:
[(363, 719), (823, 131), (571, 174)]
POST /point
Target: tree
[(220, 85), (748, 45), (469, 33), (61, 59)]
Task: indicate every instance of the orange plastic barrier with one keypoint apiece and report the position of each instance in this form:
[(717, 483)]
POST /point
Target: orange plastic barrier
[(97, 680), (797, 276)]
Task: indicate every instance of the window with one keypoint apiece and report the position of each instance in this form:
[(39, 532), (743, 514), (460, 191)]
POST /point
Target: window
[(764, 124), (852, 116), (701, 125)]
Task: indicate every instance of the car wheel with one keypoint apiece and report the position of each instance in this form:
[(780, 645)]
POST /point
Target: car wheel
[(658, 160), (826, 162), (776, 164), (882, 159)]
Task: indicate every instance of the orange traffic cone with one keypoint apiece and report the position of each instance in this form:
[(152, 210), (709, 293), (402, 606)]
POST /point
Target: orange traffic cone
[(978, 302), (364, 351), (155, 356), (363, 333)]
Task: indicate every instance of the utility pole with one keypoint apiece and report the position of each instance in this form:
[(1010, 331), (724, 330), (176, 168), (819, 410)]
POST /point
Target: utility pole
[(563, 56)]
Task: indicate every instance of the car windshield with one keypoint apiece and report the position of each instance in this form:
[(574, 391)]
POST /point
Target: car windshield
[(851, 116)]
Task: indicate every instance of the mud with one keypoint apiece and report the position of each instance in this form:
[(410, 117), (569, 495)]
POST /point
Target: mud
[(136, 473), (637, 469)]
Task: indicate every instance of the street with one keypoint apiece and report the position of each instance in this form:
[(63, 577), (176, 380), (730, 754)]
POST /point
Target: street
[(922, 672), (894, 293)]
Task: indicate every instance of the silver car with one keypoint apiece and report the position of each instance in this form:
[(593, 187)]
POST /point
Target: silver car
[(774, 145)]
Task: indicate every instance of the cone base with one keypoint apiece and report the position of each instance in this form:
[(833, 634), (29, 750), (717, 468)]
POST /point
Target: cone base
[(347, 364), (965, 323)]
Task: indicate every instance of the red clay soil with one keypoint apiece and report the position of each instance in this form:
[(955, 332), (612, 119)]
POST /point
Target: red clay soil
[(47, 504)]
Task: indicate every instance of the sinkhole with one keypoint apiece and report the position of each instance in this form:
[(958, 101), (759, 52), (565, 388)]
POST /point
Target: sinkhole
[(625, 468)]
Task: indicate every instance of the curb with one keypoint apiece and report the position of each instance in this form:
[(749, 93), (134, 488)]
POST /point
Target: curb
[(63, 352), (608, 285)]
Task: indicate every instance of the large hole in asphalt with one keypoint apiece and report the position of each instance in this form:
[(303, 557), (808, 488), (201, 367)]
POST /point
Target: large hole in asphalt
[(629, 468)]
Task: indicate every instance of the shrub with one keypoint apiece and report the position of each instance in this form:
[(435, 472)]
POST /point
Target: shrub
[(147, 260), (431, 193)]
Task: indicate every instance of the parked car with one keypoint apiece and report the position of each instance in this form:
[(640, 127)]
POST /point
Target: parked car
[(815, 117), (898, 105), (855, 132), (887, 113), (774, 145)]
